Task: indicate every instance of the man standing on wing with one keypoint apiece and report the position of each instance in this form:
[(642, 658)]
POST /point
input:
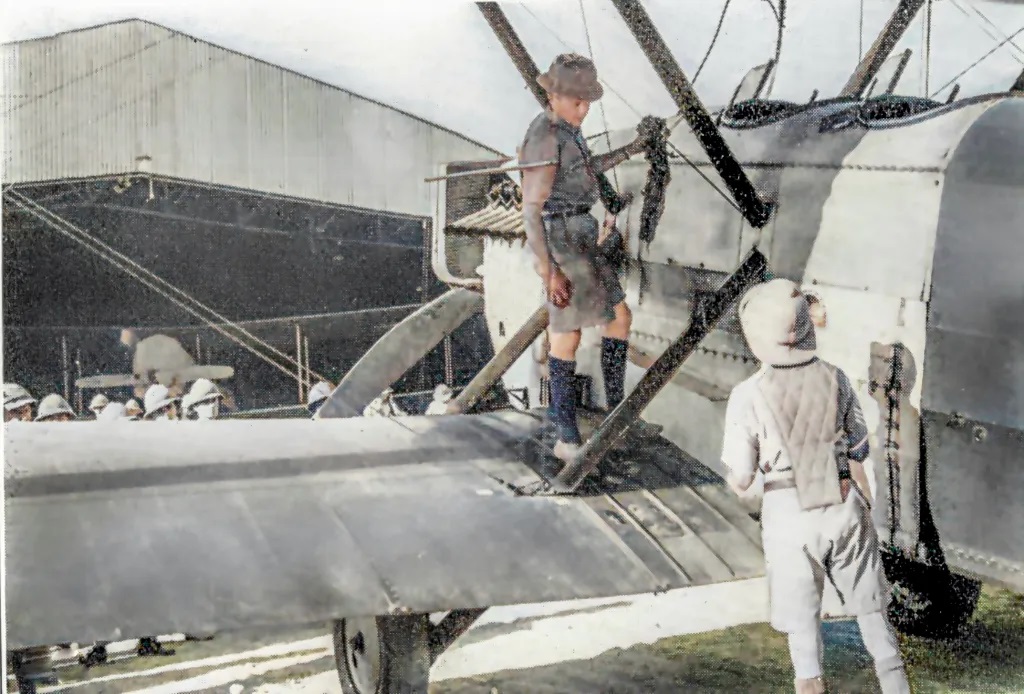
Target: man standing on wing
[(581, 285)]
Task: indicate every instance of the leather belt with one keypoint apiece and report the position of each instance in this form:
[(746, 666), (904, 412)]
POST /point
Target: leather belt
[(776, 485), (568, 212)]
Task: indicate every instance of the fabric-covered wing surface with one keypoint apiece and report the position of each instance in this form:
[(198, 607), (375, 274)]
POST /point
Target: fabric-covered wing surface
[(241, 524)]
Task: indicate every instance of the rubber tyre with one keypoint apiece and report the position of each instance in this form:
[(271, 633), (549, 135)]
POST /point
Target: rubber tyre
[(383, 655)]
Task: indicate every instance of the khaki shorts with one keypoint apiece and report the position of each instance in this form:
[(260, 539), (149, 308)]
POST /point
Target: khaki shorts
[(596, 289), (803, 549)]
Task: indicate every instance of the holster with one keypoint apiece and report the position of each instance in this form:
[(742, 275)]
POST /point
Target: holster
[(613, 248)]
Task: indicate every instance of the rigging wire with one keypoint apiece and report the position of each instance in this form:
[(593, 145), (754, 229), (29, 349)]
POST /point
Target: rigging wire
[(994, 36), (148, 278), (860, 36), (780, 19), (978, 61), (604, 116), (927, 46), (714, 40)]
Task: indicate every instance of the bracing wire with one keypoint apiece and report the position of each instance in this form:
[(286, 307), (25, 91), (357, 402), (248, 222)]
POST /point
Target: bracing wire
[(714, 40), (993, 31), (780, 18), (604, 116), (927, 46), (978, 61)]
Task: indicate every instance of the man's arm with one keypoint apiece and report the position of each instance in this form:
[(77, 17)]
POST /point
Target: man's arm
[(648, 128), (740, 450), (537, 185), (856, 430), (609, 160)]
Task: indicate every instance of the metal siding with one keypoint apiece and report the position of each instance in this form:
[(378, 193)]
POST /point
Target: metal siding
[(301, 97), (336, 152), (366, 135), (205, 113), (229, 115)]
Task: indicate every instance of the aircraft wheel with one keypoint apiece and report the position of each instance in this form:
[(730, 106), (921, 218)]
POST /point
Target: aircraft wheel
[(928, 600), (383, 655)]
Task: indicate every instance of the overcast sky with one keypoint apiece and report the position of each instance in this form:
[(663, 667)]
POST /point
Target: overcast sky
[(438, 58)]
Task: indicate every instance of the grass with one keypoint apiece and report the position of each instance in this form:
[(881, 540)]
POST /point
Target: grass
[(987, 658)]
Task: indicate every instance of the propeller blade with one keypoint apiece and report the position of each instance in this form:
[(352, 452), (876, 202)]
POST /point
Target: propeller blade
[(188, 374), (102, 381)]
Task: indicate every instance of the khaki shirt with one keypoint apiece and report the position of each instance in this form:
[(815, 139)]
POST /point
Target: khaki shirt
[(575, 184)]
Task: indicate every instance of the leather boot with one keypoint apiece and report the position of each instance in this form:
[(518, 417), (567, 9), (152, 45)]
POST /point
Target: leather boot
[(813, 686)]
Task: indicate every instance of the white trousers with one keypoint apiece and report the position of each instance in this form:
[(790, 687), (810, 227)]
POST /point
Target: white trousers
[(803, 549)]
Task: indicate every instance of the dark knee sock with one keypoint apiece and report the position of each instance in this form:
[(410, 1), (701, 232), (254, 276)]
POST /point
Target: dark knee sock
[(613, 368), (562, 409)]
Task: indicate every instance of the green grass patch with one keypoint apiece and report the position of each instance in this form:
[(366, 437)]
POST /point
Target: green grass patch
[(987, 658)]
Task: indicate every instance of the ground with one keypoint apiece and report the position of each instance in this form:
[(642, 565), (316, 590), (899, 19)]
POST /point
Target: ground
[(987, 658)]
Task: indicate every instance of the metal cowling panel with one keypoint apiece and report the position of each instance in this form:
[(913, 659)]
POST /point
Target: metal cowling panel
[(975, 353)]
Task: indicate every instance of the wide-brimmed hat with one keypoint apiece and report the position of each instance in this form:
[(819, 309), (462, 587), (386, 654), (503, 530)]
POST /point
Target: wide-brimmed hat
[(572, 74), (776, 321)]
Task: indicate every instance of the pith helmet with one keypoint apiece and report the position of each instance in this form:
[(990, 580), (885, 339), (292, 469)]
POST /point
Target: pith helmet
[(572, 74), (16, 396), (98, 403), (157, 398), (203, 390), (318, 394), (776, 321), (53, 405), (132, 409)]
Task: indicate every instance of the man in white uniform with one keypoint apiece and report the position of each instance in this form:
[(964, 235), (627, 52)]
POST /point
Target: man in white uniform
[(797, 421), (203, 401), (443, 394), (18, 403)]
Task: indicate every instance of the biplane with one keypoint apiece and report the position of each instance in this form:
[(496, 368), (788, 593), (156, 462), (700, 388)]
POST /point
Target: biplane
[(897, 214)]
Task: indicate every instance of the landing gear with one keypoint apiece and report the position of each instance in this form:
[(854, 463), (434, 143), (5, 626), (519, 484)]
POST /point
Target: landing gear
[(392, 654), (928, 599), (150, 646), (383, 655), (97, 655), (32, 667)]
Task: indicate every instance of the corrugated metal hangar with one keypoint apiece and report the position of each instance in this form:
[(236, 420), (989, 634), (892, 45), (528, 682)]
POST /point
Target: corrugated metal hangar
[(265, 195)]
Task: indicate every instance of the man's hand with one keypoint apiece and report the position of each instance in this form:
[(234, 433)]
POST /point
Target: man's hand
[(648, 129), (559, 289)]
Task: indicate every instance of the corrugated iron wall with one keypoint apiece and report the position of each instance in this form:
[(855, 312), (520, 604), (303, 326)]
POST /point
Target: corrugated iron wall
[(90, 102)]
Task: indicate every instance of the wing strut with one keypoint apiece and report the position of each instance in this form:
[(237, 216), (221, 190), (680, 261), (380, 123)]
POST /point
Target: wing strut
[(879, 52), (661, 372), (756, 211)]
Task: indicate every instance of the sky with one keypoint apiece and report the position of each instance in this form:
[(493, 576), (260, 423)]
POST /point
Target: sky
[(439, 60)]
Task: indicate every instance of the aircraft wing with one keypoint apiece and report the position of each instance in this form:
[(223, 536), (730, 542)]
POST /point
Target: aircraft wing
[(129, 529)]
